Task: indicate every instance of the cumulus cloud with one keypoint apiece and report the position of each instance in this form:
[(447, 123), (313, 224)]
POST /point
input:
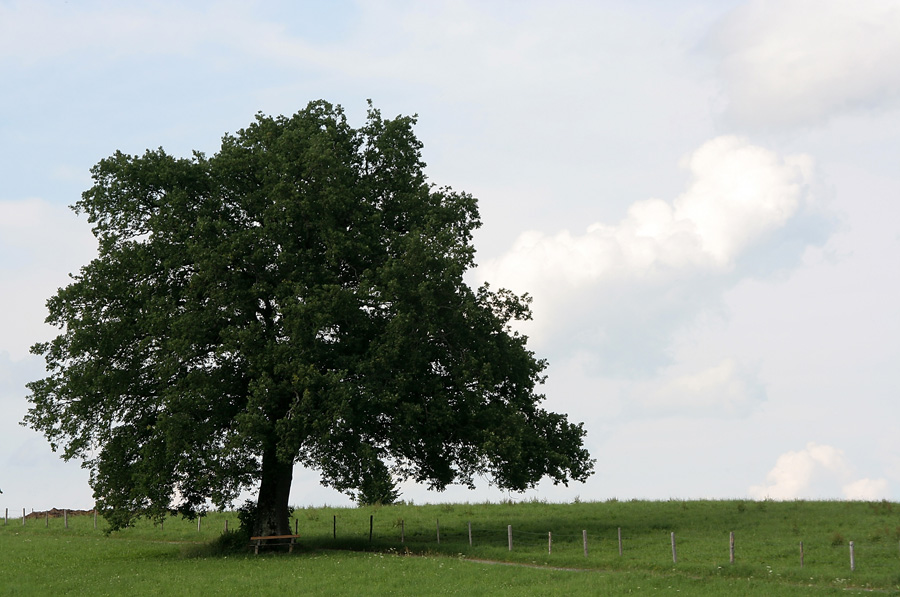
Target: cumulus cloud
[(866, 489), (799, 62), (656, 269), (817, 471), (738, 193)]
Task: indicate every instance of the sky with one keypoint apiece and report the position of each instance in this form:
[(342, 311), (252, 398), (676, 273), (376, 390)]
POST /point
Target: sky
[(703, 198)]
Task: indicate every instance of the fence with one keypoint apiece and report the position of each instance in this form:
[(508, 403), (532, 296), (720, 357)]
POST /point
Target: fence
[(549, 542), (514, 539)]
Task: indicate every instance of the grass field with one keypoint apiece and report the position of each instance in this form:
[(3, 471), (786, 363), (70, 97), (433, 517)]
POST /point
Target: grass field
[(336, 556)]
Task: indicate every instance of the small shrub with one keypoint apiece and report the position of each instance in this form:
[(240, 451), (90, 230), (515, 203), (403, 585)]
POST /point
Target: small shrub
[(247, 515), (228, 543)]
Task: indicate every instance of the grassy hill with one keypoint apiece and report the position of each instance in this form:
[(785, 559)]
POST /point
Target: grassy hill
[(337, 556)]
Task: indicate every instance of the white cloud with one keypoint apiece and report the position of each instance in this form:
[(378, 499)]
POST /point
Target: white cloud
[(814, 470), (867, 489), (640, 279), (793, 472), (799, 62), (738, 193)]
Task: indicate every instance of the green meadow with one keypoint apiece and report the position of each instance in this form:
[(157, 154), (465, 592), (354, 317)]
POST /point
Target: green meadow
[(425, 550)]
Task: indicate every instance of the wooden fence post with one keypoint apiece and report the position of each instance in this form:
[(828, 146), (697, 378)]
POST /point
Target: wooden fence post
[(402, 531), (6, 517), (199, 518), (731, 548), (23, 516), (549, 542), (470, 533), (437, 524), (674, 555), (66, 518), (584, 540), (852, 558), (508, 534), (620, 540)]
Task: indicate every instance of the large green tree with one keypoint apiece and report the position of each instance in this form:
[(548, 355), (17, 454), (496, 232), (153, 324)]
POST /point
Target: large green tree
[(297, 297)]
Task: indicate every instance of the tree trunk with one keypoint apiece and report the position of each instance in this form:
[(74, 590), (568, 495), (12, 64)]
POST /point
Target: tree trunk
[(274, 493)]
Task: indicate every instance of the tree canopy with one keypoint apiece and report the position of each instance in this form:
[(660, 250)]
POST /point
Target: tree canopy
[(297, 297)]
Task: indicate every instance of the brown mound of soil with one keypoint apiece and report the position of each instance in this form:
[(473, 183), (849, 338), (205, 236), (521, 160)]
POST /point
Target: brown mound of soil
[(55, 513)]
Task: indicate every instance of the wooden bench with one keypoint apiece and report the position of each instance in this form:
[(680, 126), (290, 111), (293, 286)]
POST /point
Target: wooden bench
[(281, 540)]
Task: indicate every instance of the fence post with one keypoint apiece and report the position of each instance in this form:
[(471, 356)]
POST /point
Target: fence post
[(549, 542), (508, 534), (852, 558), (470, 533), (402, 531), (584, 540), (46, 519), (66, 518), (801, 554), (731, 547), (620, 541), (23, 516), (674, 555), (199, 518), (437, 524), (6, 517)]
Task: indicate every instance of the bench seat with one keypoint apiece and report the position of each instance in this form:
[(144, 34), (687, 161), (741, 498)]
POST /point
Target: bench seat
[(280, 540)]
